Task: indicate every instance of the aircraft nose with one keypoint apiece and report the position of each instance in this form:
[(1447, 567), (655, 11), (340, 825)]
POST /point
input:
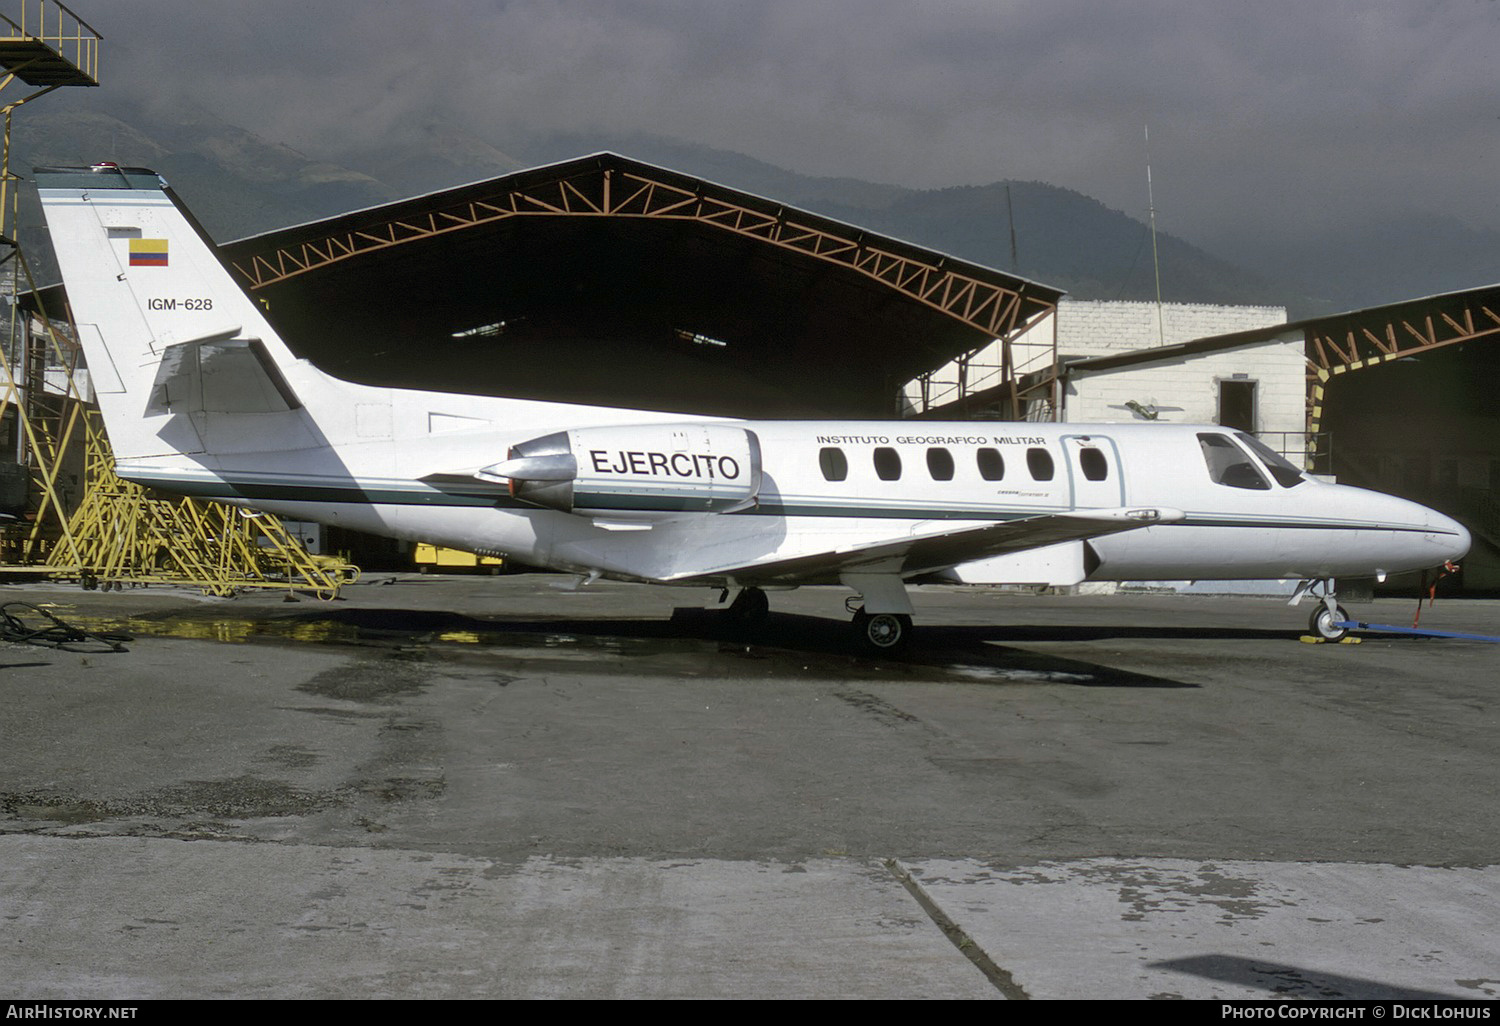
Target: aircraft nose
[(1452, 537)]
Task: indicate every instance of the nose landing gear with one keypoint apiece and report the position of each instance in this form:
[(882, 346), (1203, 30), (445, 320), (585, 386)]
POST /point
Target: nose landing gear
[(1325, 620), (1327, 614)]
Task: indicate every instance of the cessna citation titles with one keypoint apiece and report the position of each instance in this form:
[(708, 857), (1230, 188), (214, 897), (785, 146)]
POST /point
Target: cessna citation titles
[(201, 396)]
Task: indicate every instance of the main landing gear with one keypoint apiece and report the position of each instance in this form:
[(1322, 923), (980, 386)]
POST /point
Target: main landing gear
[(749, 609), (881, 633), (1327, 614), (882, 612), (880, 608)]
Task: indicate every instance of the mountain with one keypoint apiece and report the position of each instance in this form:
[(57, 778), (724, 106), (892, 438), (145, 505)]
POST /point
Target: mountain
[(725, 167), (240, 184), (1067, 239), (438, 155), (236, 182), (1063, 238)]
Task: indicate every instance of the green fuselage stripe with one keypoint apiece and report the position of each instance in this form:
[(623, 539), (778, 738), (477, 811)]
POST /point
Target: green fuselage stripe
[(496, 496)]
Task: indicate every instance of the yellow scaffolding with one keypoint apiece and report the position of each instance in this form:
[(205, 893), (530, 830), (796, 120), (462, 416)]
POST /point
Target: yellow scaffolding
[(82, 521), (123, 534)]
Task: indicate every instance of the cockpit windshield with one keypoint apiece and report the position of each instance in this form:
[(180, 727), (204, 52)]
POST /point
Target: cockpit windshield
[(1283, 470), (1228, 464)]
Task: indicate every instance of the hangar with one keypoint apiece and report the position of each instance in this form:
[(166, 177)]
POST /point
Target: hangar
[(609, 281), (1404, 395)]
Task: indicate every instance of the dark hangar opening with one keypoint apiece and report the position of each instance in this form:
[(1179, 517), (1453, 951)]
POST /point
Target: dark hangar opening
[(611, 282), (1407, 406)]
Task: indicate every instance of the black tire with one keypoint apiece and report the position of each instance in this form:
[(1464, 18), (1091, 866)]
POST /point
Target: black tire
[(883, 634), (749, 608), (1323, 624)]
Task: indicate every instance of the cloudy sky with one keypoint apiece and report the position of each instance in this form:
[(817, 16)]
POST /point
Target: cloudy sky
[(1306, 113)]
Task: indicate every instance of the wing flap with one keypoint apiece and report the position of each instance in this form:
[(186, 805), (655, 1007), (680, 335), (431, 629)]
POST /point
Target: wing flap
[(924, 550)]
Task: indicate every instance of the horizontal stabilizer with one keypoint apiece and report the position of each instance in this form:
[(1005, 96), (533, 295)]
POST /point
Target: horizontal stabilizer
[(222, 376)]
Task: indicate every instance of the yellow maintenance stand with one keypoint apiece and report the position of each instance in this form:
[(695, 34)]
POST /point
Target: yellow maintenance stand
[(63, 511)]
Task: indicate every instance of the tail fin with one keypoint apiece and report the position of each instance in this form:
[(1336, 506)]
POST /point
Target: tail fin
[(181, 358)]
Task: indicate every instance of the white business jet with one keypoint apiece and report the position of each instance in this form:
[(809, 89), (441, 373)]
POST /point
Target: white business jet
[(201, 396)]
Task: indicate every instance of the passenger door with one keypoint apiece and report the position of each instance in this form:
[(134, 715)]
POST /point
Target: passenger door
[(1094, 474)]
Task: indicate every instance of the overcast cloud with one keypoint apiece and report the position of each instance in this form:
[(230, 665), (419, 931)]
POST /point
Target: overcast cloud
[(1277, 115)]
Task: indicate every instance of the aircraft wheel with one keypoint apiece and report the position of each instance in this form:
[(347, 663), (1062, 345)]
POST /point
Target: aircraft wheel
[(882, 633), (1324, 624), (749, 608)]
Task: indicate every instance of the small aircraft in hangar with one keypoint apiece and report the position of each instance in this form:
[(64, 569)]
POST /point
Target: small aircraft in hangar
[(200, 396)]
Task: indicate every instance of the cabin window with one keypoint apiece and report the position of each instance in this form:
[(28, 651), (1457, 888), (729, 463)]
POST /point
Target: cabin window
[(1282, 469), (940, 464), (1039, 462), (887, 464), (834, 465), (1228, 464), (1093, 464), (991, 464)]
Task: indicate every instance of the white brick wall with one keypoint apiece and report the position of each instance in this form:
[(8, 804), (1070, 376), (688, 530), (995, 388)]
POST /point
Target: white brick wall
[(1096, 328), (1186, 390)]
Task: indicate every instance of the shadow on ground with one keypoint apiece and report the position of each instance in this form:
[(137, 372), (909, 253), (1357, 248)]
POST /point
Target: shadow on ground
[(785, 643)]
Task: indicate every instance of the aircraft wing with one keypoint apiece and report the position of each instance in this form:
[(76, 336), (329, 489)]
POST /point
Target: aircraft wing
[(945, 545)]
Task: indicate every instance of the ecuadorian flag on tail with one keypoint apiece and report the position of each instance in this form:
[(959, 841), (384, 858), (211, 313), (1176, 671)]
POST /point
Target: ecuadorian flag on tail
[(148, 252)]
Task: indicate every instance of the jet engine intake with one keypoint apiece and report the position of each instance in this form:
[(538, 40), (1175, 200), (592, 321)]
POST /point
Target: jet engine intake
[(649, 468)]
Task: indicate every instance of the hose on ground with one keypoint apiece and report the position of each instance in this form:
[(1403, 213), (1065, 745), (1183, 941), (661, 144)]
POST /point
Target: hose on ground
[(24, 623)]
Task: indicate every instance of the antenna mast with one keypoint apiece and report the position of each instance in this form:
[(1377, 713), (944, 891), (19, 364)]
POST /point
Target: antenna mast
[(1161, 334), (1010, 215)]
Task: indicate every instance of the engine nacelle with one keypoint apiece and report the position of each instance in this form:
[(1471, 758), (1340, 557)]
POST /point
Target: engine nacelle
[(636, 469)]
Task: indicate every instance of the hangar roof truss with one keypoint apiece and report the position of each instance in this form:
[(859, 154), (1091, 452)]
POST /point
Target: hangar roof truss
[(606, 185), (607, 281), (1363, 338)]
